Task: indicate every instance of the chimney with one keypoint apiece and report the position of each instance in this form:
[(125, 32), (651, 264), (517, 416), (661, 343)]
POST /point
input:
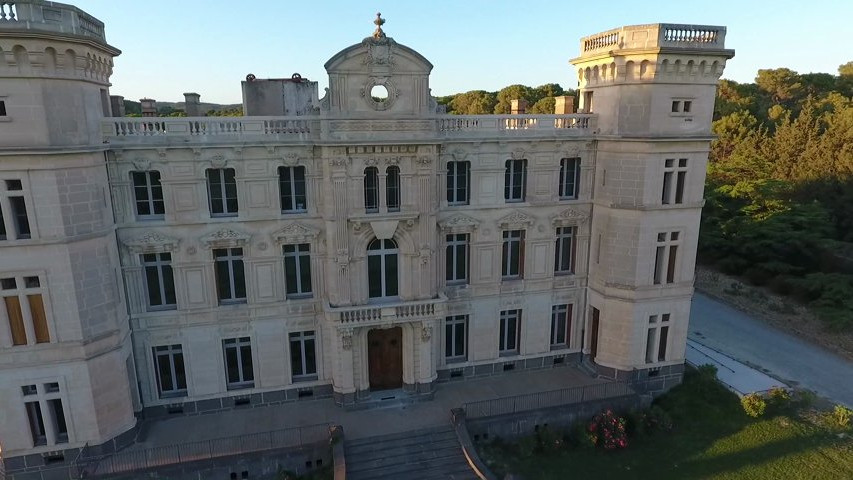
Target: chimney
[(149, 107), (193, 105), (117, 105), (564, 105), (518, 107)]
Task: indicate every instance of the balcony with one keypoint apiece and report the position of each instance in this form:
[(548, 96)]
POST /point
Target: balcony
[(657, 35), (388, 313), (218, 130)]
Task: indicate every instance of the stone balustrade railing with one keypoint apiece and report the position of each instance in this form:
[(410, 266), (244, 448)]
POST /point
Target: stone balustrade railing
[(125, 130), (372, 314), (49, 16), (654, 36)]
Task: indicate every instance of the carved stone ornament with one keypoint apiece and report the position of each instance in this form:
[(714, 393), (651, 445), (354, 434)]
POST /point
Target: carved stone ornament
[(290, 159), (570, 152), (425, 253), (218, 161), (515, 220), (226, 238), (371, 161), (459, 155), (380, 51), (569, 216), (346, 338), (424, 160), (151, 242), (390, 89), (459, 224), (295, 233), (342, 260), (141, 164), (517, 154), (392, 161), (339, 161), (426, 333)]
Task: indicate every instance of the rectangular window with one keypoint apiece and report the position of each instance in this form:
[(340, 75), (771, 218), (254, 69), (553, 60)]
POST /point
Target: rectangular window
[(19, 217), (392, 188), (676, 106), (222, 192), (371, 189), (657, 338), (515, 179), (2, 108), (666, 256), (171, 376), (565, 250), (587, 101), (291, 183), (458, 183), (455, 338), (570, 177), (3, 235), (512, 255), (22, 299), (303, 361), (238, 363), (509, 329), (230, 279), (457, 259), (561, 325), (45, 414), (687, 106), (148, 194), (673, 194), (297, 270), (159, 281)]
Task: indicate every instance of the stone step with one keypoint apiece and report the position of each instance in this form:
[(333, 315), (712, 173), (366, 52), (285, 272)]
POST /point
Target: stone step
[(383, 446), (404, 455), (397, 436), (438, 467)]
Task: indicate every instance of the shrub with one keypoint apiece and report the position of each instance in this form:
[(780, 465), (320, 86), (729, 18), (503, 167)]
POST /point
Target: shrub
[(804, 398), (608, 430), (753, 404), (841, 416), (658, 420), (581, 437), (550, 441)]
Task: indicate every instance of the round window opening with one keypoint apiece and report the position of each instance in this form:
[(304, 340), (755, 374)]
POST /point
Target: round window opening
[(379, 93)]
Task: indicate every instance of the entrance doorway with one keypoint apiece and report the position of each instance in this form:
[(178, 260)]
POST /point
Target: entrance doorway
[(385, 358), (593, 341)]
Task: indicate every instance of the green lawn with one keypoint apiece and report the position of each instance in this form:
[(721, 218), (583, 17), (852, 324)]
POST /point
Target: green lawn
[(712, 438)]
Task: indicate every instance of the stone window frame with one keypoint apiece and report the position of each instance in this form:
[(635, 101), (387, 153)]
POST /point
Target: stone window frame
[(453, 321), (674, 180), (305, 179), (666, 256), (510, 172), (503, 330), (159, 264), (568, 309), (151, 201), (22, 292), (654, 331), (10, 227), (241, 341), (227, 238), (178, 393), (455, 190), (43, 395), (560, 238), (301, 339), (677, 106), (4, 101), (563, 176), (453, 245), (208, 185), (296, 233), (149, 242), (515, 221)]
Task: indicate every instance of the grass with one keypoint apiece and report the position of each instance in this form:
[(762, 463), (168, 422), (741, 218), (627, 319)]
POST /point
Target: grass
[(712, 438)]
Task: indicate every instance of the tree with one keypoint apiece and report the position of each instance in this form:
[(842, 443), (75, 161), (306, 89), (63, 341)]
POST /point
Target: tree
[(783, 84), (543, 106), (475, 102), (510, 93)]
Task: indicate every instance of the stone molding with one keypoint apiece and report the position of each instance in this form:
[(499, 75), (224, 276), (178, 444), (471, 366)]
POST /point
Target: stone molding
[(151, 242), (569, 217), (226, 238), (459, 224), (295, 232), (517, 220)]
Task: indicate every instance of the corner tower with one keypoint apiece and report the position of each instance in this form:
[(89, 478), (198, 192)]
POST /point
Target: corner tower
[(65, 357), (653, 88)]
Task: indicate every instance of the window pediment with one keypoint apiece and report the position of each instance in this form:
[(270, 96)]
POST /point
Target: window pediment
[(516, 220), (568, 217), (459, 224), (295, 233), (151, 242), (226, 238)]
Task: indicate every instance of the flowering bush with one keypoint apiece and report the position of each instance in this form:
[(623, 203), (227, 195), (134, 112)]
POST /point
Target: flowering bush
[(608, 430), (842, 415), (753, 404)]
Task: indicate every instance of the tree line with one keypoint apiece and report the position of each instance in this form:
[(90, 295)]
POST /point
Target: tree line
[(480, 102), (779, 191)]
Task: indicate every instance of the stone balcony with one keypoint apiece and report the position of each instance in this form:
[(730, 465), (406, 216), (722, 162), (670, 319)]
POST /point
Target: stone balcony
[(162, 131), (656, 35), (387, 313), (38, 15)]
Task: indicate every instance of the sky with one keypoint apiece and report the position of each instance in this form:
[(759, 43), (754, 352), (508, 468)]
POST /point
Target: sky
[(208, 47)]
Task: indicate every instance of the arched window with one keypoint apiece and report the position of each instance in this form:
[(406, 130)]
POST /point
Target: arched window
[(382, 269), (371, 189), (392, 188)]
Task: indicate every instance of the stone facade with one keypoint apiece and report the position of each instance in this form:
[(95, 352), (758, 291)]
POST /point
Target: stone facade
[(366, 245)]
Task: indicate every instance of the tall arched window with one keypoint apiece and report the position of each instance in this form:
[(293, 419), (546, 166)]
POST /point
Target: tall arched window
[(392, 188), (382, 269), (371, 189)]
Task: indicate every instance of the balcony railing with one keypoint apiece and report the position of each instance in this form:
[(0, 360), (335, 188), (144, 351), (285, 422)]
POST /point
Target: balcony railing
[(655, 35), (49, 16), (212, 129), (389, 312)]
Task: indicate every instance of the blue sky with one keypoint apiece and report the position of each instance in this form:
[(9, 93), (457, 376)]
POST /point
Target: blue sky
[(209, 46)]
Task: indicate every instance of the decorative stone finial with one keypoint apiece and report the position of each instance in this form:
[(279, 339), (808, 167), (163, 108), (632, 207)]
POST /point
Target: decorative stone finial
[(378, 33)]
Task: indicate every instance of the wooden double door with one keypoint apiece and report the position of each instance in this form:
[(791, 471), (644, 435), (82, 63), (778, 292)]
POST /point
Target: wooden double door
[(385, 358)]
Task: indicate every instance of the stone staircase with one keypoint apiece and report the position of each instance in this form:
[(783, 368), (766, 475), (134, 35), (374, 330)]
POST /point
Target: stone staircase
[(427, 454)]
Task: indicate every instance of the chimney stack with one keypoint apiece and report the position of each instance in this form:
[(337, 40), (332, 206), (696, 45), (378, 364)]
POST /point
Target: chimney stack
[(117, 105), (149, 107), (564, 105), (518, 106), (192, 104)]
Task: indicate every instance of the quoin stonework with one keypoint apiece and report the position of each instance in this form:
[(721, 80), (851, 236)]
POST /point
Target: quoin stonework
[(353, 244)]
